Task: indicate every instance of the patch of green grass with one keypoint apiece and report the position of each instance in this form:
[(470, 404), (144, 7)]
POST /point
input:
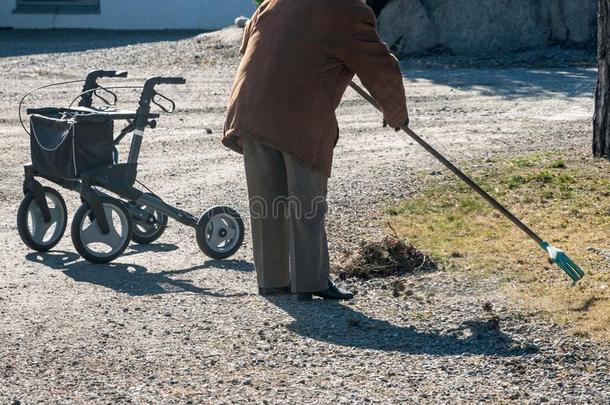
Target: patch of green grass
[(538, 178), (422, 315), (522, 162), (543, 177), (531, 160), (557, 164), (566, 199)]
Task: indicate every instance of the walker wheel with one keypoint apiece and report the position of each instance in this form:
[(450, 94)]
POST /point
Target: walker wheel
[(151, 230), (88, 239), (220, 232), (34, 231)]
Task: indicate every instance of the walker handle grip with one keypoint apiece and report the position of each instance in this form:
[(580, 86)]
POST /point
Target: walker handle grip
[(149, 87), (148, 95), (171, 80), (91, 84), (113, 73)]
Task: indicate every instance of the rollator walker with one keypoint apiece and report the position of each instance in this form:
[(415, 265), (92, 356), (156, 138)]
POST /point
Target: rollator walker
[(75, 148)]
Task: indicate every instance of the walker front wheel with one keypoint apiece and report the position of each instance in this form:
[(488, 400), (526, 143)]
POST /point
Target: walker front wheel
[(88, 239), (34, 231), (148, 231), (220, 232)]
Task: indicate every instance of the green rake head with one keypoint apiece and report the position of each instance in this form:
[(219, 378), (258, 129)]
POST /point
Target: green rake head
[(562, 260)]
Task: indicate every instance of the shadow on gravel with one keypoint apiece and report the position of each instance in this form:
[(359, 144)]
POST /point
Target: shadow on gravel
[(235, 265), (32, 42), (339, 324), (153, 247), (513, 83), (130, 279)]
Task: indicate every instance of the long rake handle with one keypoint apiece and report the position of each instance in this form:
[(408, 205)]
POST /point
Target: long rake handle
[(455, 170)]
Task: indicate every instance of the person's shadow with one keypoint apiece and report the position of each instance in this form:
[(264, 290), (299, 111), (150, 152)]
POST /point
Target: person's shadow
[(333, 322), (134, 279)]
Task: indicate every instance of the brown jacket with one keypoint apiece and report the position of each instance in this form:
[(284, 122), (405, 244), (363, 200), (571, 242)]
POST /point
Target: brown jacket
[(299, 57)]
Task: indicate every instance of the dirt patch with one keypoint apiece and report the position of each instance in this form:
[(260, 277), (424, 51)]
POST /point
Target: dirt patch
[(390, 256)]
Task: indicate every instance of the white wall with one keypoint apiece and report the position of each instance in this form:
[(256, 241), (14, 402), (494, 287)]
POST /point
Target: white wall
[(136, 14)]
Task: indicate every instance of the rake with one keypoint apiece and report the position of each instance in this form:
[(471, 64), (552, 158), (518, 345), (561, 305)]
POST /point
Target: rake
[(558, 256)]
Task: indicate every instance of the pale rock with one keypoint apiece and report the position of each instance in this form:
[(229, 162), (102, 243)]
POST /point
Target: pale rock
[(407, 27), (485, 26)]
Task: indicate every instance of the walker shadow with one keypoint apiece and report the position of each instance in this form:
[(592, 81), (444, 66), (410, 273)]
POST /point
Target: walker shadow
[(150, 248), (235, 265), (333, 322), (131, 279), (32, 42)]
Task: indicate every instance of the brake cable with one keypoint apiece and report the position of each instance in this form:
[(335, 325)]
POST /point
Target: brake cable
[(40, 88), (103, 88)]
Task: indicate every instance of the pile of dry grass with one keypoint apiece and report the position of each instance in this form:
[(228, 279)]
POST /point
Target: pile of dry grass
[(391, 256)]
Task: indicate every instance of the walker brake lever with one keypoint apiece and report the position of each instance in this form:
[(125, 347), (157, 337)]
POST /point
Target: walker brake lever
[(114, 96), (161, 106)]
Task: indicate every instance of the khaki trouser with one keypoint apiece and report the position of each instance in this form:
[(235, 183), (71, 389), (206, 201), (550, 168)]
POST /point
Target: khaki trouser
[(287, 209)]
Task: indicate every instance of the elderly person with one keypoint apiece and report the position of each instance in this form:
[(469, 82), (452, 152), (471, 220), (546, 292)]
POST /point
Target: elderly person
[(298, 58)]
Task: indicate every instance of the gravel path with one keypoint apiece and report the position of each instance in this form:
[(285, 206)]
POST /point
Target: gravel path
[(165, 325)]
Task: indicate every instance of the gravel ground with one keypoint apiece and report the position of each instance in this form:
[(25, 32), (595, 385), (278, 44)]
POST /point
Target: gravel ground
[(163, 324)]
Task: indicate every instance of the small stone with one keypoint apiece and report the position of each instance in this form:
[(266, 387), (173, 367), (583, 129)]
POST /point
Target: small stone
[(398, 286), (241, 21)]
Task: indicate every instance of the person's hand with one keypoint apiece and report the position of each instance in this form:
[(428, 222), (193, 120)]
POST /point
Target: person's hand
[(406, 124)]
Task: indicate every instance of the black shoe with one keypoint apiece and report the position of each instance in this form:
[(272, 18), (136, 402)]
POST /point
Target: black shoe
[(274, 290), (331, 293)]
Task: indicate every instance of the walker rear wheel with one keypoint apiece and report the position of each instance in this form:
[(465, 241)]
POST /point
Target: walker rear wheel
[(220, 232), (88, 238), (34, 231)]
